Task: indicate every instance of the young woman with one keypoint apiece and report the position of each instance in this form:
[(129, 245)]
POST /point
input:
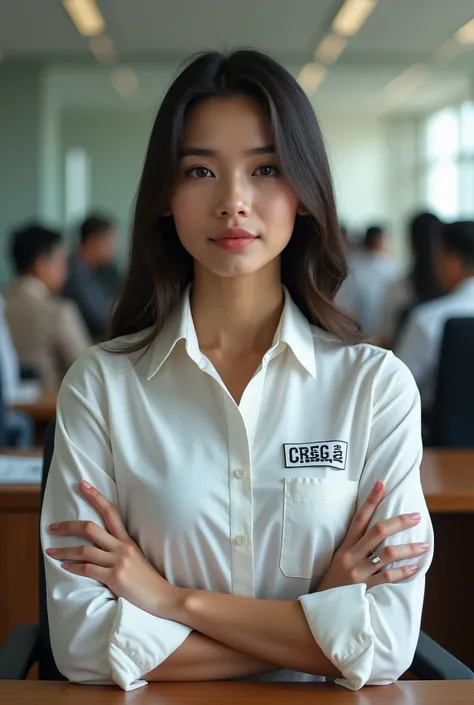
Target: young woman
[(235, 486)]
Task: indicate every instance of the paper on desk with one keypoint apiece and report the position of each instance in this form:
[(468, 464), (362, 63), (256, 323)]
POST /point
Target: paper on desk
[(27, 393), (21, 470)]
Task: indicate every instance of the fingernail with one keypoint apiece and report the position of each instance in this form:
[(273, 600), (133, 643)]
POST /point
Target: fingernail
[(66, 566), (50, 551), (378, 486), (413, 568), (415, 516), (85, 485), (53, 526), (424, 546)]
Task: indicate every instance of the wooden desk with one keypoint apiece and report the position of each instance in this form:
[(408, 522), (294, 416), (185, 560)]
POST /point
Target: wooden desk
[(227, 693), (448, 482), (19, 508)]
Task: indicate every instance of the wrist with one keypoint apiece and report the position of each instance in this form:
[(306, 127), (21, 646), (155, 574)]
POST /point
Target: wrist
[(174, 607)]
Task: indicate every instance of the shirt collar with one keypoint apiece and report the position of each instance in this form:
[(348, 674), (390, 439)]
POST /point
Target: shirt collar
[(293, 331)]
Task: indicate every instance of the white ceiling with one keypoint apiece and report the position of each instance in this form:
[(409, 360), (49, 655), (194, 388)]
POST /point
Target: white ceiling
[(398, 34)]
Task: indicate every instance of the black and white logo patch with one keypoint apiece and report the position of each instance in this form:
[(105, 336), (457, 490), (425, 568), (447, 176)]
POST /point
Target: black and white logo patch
[(318, 454)]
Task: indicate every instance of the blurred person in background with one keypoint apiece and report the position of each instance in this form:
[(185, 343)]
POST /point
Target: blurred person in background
[(94, 279), (422, 283), (47, 331), (420, 342), (372, 271), (18, 427)]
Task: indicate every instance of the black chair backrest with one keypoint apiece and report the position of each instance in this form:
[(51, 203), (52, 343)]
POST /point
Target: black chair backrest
[(452, 423), (47, 670)]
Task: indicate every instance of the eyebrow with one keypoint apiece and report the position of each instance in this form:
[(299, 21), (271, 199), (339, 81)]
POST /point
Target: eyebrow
[(201, 152)]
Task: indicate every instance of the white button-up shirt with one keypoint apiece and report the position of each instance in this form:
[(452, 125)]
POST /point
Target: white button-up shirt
[(420, 342), (250, 499)]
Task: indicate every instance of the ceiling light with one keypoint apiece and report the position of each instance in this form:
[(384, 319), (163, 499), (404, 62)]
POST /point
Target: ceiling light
[(86, 16), (311, 77), (465, 35), (352, 16), (125, 82), (103, 49), (330, 48)]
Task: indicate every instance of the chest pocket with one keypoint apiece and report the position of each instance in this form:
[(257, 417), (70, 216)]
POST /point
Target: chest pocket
[(316, 516)]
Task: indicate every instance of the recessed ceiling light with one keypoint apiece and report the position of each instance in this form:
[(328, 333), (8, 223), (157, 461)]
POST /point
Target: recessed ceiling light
[(311, 77), (352, 16), (330, 48), (86, 16), (465, 35)]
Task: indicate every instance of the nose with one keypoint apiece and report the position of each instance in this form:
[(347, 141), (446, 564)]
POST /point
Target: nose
[(234, 199)]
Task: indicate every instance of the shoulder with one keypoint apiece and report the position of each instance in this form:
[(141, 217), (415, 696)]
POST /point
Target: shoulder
[(363, 363), (100, 364)]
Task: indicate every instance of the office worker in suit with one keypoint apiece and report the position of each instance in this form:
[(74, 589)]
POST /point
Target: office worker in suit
[(248, 465), (420, 342), (47, 330), (93, 279)]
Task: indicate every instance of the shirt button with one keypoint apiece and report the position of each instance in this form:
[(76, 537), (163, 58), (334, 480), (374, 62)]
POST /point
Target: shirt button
[(241, 473), (240, 540)]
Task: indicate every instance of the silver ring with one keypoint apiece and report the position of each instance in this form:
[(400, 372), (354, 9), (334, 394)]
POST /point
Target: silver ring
[(375, 559)]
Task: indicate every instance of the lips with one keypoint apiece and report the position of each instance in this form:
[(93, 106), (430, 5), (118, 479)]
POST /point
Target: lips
[(234, 234)]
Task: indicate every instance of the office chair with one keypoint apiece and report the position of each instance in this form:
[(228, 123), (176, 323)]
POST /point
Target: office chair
[(30, 643), (452, 421)]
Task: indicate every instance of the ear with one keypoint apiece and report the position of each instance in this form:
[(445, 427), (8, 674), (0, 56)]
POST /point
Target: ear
[(301, 210)]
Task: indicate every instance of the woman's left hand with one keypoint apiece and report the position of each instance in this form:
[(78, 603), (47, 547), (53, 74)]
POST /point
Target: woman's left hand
[(115, 560)]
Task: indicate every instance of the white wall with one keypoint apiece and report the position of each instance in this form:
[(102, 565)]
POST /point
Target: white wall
[(356, 148)]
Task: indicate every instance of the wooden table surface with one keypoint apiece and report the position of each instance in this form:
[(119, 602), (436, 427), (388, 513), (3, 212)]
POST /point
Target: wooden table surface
[(447, 477), (43, 409), (237, 693)]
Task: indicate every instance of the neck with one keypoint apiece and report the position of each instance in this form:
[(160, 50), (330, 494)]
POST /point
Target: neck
[(237, 315)]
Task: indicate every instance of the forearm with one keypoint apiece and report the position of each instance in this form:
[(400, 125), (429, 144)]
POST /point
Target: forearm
[(200, 658), (273, 631)]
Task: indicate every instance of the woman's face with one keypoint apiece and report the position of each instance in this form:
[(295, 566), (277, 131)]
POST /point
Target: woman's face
[(233, 211)]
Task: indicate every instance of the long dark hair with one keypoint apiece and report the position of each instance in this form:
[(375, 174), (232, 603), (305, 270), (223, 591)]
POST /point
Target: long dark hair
[(425, 233), (313, 264)]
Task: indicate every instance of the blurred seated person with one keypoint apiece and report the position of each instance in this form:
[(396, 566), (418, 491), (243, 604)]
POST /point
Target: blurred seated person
[(371, 271), (420, 285), (94, 280), (420, 342), (18, 427), (47, 331)]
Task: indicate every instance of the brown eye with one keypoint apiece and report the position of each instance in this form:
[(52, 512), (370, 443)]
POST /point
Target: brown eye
[(199, 172), (266, 170)]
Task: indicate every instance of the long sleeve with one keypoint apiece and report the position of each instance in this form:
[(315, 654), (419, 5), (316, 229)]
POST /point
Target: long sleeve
[(371, 635), (95, 638)]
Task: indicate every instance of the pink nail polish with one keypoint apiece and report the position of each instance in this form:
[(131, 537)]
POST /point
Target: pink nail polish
[(53, 526), (415, 516), (50, 551), (413, 568), (85, 485)]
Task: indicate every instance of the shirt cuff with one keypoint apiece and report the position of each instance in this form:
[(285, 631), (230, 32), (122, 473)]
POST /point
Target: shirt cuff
[(139, 642), (339, 620)]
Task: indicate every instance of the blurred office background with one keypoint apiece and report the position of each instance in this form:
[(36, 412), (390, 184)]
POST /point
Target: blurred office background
[(395, 98)]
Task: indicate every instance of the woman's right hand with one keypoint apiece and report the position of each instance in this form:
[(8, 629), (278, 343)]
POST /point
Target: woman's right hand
[(351, 565)]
